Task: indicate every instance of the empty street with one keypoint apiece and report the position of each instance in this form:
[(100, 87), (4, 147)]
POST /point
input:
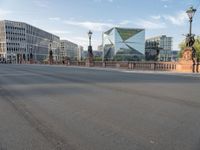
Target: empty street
[(69, 108)]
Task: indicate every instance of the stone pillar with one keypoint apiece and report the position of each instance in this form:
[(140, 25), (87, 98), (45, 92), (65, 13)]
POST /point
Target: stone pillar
[(89, 61), (185, 64)]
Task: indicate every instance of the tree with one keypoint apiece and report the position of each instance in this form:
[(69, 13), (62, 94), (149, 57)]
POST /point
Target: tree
[(182, 47), (97, 58)]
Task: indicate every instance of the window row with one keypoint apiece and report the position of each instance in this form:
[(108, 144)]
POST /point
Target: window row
[(14, 33), (15, 39), (13, 49), (15, 28), (14, 44)]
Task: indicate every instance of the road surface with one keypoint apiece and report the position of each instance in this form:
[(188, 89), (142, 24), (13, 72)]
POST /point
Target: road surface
[(67, 108)]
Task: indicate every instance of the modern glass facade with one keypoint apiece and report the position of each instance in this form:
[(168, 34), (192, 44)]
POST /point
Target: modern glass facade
[(21, 42), (124, 44), (162, 41), (160, 46)]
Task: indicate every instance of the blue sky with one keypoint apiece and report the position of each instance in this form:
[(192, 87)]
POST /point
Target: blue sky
[(71, 19)]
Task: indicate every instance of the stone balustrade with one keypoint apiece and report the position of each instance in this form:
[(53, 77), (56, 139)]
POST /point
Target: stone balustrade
[(152, 66), (156, 66)]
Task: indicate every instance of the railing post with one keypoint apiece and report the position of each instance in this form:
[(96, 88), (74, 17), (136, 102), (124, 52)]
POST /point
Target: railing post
[(128, 65), (134, 65), (197, 67), (154, 66), (104, 64)]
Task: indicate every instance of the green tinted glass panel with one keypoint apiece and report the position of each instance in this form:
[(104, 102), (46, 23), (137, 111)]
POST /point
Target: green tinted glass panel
[(127, 33), (108, 32)]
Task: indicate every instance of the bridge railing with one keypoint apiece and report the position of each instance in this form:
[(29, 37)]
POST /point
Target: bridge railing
[(160, 66), (135, 65)]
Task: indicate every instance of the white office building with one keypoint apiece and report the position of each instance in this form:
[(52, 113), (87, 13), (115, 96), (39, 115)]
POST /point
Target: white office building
[(80, 53), (21, 42), (68, 50)]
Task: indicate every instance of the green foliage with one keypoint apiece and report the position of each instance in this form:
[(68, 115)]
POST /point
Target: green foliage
[(197, 47), (127, 58), (182, 46), (97, 59)]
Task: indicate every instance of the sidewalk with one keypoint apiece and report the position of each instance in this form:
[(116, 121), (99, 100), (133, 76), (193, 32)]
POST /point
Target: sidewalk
[(195, 75)]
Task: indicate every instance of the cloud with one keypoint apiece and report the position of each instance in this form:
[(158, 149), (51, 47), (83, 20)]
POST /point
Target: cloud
[(4, 13), (42, 3), (95, 26), (59, 32), (156, 23), (147, 24), (166, 2), (179, 19), (165, 6), (54, 19), (125, 22), (83, 41), (158, 17)]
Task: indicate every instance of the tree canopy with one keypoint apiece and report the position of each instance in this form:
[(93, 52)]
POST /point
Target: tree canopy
[(182, 46)]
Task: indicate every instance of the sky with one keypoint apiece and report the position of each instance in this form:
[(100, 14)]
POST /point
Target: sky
[(72, 19)]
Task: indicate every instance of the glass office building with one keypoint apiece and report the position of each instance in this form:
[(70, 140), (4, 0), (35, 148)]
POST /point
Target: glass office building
[(162, 44), (124, 44), (21, 42)]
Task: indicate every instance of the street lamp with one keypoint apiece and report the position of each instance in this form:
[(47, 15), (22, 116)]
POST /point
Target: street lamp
[(90, 37), (90, 53), (36, 48), (31, 55), (50, 53), (11, 58), (190, 12)]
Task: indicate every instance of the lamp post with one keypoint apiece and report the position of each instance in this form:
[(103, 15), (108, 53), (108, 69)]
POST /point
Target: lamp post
[(190, 40), (90, 37), (31, 55), (11, 58), (50, 53), (190, 12), (35, 53), (90, 53)]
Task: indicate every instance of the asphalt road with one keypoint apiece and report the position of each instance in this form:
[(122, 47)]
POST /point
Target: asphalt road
[(66, 108)]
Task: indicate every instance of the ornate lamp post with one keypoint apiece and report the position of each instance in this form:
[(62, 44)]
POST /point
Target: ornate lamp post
[(90, 53), (190, 12), (190, 40), (31, 55), (50, 53)]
